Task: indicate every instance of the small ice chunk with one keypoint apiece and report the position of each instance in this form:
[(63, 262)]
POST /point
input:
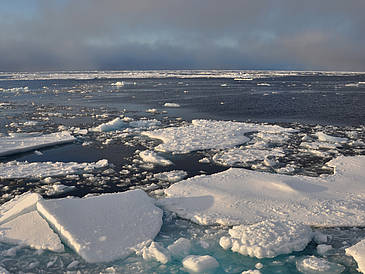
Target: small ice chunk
[(267, 239), (171, 105), (145, 123), (123, 220), (115, 124), (156, 252), (171, 176), (313, 265), (322, 249), (118, 83), (152, 110), (31, 230), (321, 238), (180, 248), (251, 272), (358, 253), (200, 263), (152, 157), (327, 138)]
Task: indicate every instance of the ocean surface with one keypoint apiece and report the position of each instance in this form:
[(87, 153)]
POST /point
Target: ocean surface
[(47, 102)]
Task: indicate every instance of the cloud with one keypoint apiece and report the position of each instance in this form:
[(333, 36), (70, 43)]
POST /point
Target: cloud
[(155, 34)]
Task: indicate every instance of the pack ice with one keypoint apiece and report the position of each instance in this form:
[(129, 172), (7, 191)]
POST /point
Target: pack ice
[(99, 228)]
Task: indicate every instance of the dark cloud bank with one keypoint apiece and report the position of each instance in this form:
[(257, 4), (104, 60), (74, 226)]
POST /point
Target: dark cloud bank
[(165, 34)]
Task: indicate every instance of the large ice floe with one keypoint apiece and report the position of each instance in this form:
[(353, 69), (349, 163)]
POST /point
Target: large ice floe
[(24, 142), (99, 228), (15, 169), (240, 196), (207, 134)]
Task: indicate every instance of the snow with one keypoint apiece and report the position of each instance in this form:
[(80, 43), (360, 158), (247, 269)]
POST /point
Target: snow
[(313, 265), (267, 239), (15, 169), (149, 156), (239, 196), (32, 230), (358, 253), (106, 227), (207, 134), (171, 176), (199, 263), (24, 142)]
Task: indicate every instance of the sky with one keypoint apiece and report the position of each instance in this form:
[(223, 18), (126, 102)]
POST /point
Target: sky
[(43, 35)]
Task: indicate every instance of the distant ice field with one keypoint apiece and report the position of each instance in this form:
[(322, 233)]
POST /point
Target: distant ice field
[(168, 141)]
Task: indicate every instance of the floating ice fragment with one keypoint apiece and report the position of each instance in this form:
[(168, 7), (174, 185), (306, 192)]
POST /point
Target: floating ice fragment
[(358, 253), (115, 124), (171, 176), (125, 220), (200, 263), (314, 265), (171, 105), (151, 157), (327, 138), (267, 239), (156, 252), (322, 248), (251, 272), (118, 84), (180, 248)]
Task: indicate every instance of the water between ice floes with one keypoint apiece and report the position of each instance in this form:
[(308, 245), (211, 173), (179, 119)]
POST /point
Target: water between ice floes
[(309, 102)]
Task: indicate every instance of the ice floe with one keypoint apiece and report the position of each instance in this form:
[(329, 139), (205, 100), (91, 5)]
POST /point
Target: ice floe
[(239, 196), (15, 169), (313, 265), (171, 176), (267, 239), (171, 105), (198, 263), (358, 253), (207, 134), (99, 228), (118, 124), (149, 156), (23, 142)]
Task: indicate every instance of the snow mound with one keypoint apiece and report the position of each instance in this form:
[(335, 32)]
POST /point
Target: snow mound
[(15, 169), (151, 157), (106, 227), (115, 124), (314, 265), (24, 142), (206, 134), (239, 196), (267, 239), (358, 253)]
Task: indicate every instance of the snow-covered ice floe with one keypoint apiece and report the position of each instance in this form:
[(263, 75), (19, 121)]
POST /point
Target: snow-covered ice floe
[(99, 228), (208, 134), (358, 253), (118, 124), (15, 169), (149, 156), (24, 142), (238, 196)]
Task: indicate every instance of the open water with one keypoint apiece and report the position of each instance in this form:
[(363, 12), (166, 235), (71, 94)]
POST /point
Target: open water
[(330, 102)]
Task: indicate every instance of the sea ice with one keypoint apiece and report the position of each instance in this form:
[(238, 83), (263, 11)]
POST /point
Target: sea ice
[(115, 124), (155, 252), (267, 239), (31, 230), (358, 253), (200, 263), (171, 105), (235, 155), (151, 157), (171, 176), (106, 227), (180, 248), (15, 169), (314, 265), (207, 134), (28, 142), (240, 196)]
